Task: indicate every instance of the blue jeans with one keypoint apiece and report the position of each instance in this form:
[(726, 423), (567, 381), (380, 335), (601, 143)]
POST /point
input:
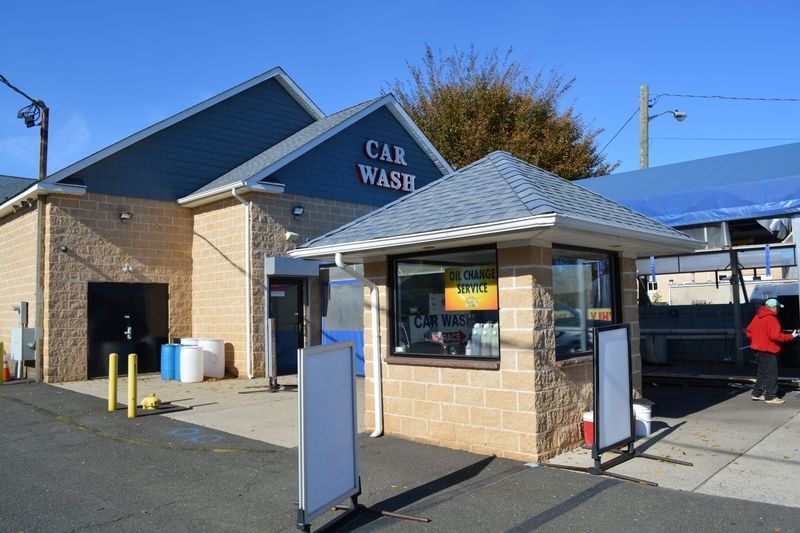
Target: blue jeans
[(766, 375)]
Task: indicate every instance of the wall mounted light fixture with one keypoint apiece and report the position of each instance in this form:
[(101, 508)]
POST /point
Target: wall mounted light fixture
[(297, 211), (127, 268), (125, 216)]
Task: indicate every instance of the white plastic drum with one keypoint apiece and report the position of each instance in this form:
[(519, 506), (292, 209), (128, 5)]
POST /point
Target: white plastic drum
[(191, 364), (213, 357)]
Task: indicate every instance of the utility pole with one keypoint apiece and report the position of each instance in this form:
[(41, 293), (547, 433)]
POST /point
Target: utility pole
[(37, 110), (644, 126)]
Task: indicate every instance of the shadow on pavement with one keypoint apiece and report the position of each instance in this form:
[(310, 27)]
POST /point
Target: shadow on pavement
[(414, 495)]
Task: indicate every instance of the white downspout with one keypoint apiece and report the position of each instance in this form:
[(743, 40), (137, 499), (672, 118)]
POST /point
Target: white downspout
[(247, 300), (376, 344)]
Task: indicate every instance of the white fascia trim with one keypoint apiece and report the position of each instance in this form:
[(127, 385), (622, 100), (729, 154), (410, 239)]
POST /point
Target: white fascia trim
[(225, 191), (302, 98), (40, 189), (276, 72), (400, 114), (316, 141), (477, 230), (594, 226)]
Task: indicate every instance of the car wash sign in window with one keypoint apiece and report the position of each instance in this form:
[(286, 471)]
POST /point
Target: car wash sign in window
[(470, 288), (385, 167)]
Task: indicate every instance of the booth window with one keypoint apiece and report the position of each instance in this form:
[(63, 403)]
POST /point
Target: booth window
[(445, 305), (584, 297)]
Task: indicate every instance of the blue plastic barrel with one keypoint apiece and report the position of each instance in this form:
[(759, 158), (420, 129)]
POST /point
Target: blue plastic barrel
[(177, 358), (168, 361)]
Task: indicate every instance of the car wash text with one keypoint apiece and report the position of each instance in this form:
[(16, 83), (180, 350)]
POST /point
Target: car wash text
[(379, 176)]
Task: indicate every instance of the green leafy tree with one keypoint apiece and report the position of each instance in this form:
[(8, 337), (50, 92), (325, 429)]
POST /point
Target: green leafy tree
[(469, 106)]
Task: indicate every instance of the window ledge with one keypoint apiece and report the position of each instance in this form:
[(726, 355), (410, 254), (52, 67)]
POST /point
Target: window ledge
[(443, 362), (579, 360)]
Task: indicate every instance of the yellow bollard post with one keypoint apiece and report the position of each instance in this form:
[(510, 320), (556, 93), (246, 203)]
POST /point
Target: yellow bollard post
[(131, 385), (112, 381)]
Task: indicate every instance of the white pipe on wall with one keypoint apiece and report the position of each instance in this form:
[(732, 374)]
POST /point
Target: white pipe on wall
[(376, 344), (248, 303)]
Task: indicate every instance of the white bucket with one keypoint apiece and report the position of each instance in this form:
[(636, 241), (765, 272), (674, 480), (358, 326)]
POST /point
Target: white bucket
[(213, 357), (642, 410), (191, 364)]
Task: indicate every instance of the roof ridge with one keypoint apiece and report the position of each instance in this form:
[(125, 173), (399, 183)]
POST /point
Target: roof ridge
[(515, 172)]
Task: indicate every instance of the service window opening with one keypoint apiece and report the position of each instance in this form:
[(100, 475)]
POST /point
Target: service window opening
[(446, 304)]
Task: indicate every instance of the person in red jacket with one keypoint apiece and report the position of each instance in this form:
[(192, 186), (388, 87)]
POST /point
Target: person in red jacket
[(764, 332)]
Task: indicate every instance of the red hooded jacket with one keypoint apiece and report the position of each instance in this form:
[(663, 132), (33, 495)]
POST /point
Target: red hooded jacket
[(764, 332)]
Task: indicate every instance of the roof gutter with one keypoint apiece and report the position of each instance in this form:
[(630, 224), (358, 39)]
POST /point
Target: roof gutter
[(678, 242), (537, 222), (35, 191), (206, 197), (377, 381)]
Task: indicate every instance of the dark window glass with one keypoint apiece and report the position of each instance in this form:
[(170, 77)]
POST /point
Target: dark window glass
[(584, 293), (445, 304)]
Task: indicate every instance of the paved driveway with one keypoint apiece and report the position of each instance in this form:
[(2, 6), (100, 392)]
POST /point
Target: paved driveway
[(69, 465)]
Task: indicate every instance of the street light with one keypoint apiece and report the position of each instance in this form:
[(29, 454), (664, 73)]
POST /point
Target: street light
[(644, 124), (34, 114)]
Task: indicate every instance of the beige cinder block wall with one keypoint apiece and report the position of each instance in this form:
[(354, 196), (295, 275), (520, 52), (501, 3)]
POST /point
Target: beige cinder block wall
[(218, 279), (272, 218), (17, 270), (156, 242), (219, 283), (529, 409)]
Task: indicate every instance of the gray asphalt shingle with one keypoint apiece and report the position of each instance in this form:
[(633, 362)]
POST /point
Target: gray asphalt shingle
[(11, 186), (494, 189)]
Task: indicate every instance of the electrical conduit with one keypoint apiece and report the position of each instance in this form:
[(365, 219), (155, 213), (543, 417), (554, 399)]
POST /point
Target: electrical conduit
[(376, 344), (248, 303)]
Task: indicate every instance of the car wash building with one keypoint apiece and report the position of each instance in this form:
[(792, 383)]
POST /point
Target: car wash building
[(182, 230), (482, 290)]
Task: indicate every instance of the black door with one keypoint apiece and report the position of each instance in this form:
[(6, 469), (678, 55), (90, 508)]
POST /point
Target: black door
[(127, 318), (286, 308)]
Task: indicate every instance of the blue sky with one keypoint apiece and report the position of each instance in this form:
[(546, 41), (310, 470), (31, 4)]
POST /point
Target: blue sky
[(109, 69)]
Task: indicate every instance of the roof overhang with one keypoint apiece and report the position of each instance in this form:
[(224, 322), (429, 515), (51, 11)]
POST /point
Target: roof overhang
[(542, 230), (196, 200), (36, 190)]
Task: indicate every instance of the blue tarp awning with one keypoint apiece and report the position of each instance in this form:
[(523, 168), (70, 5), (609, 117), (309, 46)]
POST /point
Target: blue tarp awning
[(753, 184)]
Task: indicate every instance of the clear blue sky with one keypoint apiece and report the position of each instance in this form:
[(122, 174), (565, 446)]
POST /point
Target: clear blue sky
[(109, 69)]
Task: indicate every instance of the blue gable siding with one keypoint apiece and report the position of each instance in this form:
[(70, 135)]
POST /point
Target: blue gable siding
[(329, 170), (180, 159)]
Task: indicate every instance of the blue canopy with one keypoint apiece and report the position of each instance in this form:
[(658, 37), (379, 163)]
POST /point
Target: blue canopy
[(759, 183)]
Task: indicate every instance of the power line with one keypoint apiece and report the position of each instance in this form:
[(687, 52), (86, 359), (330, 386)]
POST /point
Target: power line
[(619, 130), (718, 97), (725, 138)]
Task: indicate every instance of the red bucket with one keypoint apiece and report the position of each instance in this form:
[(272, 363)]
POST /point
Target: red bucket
[(588, 428)]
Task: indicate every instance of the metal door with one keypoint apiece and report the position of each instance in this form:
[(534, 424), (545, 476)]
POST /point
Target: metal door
[(286, 309), (126, 318)]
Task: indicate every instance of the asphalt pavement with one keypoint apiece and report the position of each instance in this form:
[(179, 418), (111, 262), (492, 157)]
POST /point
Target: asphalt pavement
[(69, 465)]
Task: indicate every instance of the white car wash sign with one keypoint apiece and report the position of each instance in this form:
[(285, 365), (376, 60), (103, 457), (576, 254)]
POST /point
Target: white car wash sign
[(379, 176)]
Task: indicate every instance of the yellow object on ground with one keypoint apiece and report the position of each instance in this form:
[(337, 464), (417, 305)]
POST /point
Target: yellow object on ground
[(132, 385), (151, 402)]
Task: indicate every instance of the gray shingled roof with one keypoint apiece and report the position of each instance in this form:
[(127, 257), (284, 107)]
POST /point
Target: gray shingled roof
[(275, 153), (494, 189), (10, 186)]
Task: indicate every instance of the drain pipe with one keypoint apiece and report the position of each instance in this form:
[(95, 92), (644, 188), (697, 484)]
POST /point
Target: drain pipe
[(376, 344), (248, 303)]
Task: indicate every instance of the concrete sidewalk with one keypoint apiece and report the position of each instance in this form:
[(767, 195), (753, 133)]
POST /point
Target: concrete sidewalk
[(238, 406), (740, 448)]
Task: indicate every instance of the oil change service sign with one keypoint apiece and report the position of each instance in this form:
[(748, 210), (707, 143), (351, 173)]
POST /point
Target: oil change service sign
[(471, 288)]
